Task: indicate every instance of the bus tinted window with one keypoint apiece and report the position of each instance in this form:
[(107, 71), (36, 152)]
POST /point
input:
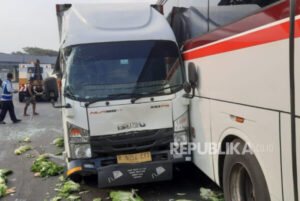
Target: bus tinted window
[(191, 19), (223, 12)]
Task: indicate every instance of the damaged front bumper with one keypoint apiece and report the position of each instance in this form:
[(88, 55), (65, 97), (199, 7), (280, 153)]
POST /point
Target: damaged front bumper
[(110, 173)]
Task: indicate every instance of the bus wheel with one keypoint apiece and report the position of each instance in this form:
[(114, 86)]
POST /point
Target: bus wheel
[(243, 179)]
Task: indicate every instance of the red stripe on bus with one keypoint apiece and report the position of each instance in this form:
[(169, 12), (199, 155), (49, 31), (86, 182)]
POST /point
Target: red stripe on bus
[(267, 35), (297, 28)]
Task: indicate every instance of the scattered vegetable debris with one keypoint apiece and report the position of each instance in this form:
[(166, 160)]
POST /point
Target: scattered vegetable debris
[(58, 153), (59, 142), (97, 199), (3, 182), (67, 189), (22, 149), (45, 167), (29, 156), (208, 194), (125, 196), (26, 139)]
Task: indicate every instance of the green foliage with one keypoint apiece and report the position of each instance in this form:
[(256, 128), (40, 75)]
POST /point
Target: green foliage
[(208, 194), (36, 51), (46, 168), (59, 142), (59, 153), (3, 189), (26, 139), (67, 190), (125, 196), (3, 181), (22, 149)]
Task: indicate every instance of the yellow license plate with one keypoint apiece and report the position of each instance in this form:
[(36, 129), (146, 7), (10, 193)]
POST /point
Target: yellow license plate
[(134, 158)]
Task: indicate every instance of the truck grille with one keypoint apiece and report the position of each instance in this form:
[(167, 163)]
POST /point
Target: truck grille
[(126, 143)]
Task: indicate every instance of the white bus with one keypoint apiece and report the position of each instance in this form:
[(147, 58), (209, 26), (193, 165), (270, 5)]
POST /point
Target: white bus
[(247, 59)]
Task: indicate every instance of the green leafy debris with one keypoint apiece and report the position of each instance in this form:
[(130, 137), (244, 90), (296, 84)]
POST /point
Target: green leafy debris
[(183, 200), (26, 139), (70, 187), (67, 188), (208, 194), (3, 189), (97, 199), (22, 149), (59, 142), (29, 156), (59, 153), (125, 196), (56, 198), (73, 197), (5, 172), (46, 168), (84, 192), (3, 181)]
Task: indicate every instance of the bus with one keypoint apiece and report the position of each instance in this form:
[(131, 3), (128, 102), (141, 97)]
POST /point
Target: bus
[(246, 60)]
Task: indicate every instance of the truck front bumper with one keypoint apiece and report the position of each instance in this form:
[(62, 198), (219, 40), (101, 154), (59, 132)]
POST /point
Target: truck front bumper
[(123, 174)]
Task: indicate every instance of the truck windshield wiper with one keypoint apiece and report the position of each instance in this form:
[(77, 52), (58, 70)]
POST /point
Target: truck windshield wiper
[(154, 92)]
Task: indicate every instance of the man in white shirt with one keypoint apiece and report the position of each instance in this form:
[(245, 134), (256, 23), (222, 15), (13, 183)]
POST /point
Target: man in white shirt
[(7, 100)]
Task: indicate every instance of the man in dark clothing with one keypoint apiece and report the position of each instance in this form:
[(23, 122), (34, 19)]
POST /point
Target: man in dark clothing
[(30, 98), (38, 71), (7, 100)]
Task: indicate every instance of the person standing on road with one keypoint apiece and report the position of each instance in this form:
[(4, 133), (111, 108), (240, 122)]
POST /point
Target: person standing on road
[(30, 97), (7, 100)]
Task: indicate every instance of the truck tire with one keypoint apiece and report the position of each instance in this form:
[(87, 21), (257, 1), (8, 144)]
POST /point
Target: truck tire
[(51, 86), (243, 179), (21, 97)]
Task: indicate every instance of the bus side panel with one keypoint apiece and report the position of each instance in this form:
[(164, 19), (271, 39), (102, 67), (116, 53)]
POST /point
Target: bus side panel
[(286, 151), (260, 129), (256, 76), (200, 121)]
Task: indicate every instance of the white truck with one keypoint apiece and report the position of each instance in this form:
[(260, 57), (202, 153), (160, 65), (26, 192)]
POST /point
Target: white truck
[(123, 101)]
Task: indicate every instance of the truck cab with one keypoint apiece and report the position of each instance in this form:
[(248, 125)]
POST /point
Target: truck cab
[(123, 96)]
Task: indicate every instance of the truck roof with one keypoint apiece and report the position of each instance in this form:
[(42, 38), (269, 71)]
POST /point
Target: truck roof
[(96, 23)]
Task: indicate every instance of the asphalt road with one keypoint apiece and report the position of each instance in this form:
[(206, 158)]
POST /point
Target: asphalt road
[(42, 130)]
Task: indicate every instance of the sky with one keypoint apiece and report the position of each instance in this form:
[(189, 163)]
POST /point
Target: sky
[(33, 23)]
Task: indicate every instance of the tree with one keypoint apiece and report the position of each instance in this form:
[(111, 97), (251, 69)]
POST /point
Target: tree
[(36, 51)]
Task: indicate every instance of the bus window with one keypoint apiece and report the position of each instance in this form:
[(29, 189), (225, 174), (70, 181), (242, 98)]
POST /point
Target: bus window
[(223, 12)]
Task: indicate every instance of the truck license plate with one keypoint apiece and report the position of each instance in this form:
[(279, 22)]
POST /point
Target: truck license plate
[(134, 158)]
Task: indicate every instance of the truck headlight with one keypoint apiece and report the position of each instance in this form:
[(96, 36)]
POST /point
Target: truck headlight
[(77, 134), (182, 123), (80, 150), (79, 140)]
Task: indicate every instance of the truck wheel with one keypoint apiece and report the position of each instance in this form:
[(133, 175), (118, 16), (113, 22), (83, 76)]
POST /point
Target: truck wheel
[(243, 179)]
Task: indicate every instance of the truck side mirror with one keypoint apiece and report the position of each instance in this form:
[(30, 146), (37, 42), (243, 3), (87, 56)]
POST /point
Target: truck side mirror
[(193, 76), (193, 80)]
